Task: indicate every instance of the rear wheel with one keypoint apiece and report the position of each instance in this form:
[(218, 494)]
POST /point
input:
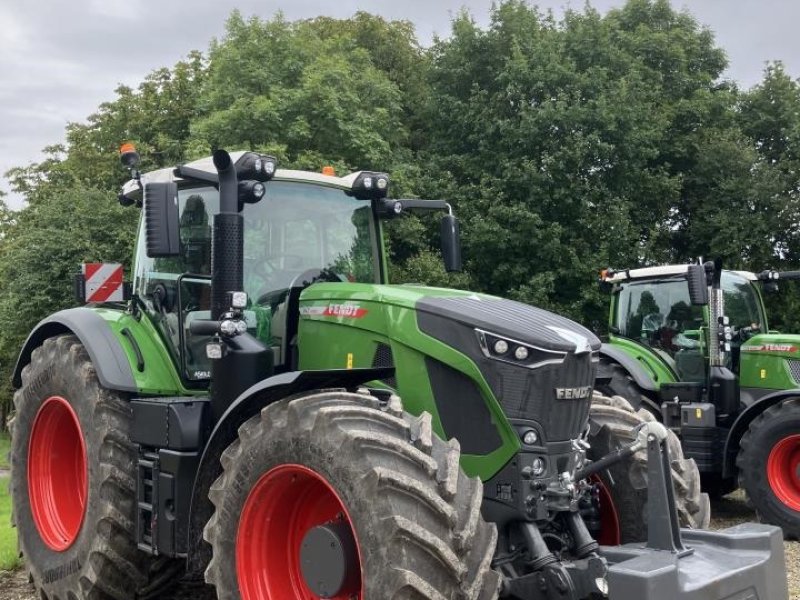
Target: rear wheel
[(769, 466), (332, 495), (623, 489), (72, 482)]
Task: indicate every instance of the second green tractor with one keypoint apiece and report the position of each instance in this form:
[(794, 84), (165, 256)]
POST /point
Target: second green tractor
[(692, 344)]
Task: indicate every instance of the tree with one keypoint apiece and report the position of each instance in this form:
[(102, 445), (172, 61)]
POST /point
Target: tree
[(566, 145)]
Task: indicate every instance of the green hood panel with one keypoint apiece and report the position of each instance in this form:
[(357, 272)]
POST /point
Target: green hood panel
[(772, 361), (348, 325), (774, 344)]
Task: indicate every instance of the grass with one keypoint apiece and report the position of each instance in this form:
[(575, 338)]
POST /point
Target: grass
[(9, 559), (5, 443)]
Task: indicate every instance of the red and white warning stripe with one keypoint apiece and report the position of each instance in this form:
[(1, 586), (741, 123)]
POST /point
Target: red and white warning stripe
[(103, 282)]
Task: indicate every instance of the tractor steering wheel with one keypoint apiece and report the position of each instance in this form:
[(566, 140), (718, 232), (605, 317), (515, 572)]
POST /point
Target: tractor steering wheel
[(303, 280), (312, 276)]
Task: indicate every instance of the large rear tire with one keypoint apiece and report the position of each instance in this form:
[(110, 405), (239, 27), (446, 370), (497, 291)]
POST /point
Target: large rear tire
[(623, 487), (345, 461), (769, 466), (73, 483)]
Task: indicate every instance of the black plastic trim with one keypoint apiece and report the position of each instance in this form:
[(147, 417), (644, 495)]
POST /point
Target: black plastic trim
[(108, 357), (128, 335), (631, 365)]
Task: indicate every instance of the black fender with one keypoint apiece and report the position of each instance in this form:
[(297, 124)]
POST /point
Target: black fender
[(248, 404), (742, 424), (108, 357), (631, 365)]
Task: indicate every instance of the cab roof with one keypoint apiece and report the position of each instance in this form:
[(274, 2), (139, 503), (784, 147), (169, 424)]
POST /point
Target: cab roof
[(206, 165), (661, 271)]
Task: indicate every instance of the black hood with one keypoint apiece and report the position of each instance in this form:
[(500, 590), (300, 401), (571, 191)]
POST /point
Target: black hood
[(515, 320)]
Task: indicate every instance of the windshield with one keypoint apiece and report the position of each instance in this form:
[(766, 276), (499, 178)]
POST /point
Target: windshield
[(658, 313), (742, 302), (296, 227)]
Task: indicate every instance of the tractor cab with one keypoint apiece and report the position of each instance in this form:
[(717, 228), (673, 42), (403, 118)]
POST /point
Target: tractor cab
[(652, 307), (299, 227)]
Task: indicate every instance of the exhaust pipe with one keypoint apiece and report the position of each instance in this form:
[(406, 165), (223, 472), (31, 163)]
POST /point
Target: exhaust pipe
[(227, 248)]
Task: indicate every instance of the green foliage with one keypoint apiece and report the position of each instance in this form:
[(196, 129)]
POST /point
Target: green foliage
[(39, 256), (567, 143), (5, 446), (9, 556)]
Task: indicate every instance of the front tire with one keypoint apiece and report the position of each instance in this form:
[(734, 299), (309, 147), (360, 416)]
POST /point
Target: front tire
[(73, 482), (341, 460), (623, 486), (769, 466)]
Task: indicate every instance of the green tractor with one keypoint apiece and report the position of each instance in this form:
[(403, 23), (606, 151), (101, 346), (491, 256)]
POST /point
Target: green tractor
[(691, 344), (238, 418)]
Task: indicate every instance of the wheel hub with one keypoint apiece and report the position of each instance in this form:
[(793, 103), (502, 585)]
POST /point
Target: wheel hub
[(57, 474), (329, 560), (296, 540)]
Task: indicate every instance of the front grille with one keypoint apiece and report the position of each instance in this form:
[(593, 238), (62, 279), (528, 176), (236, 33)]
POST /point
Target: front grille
[(794, 369)]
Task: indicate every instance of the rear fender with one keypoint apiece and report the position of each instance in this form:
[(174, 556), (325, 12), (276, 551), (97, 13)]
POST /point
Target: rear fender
[(225, 432), (127, 352), (108, 357), (742, 424), (635, 369)]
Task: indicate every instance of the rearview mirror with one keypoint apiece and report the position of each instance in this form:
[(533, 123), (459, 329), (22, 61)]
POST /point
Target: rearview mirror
[(451, 244), (698, 285), (162, 235)]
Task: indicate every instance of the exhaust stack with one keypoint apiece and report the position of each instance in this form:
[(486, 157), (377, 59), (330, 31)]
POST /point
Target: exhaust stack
[(227, 249)]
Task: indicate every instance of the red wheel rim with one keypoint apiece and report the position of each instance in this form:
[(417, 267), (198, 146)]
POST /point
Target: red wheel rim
[(783, 471), (610, 532), (284, 505), (58, 473)]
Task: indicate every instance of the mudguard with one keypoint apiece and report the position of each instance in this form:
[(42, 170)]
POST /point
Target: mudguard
[(631, 365), (108, 357), (742, 423), (745, 562), (245, 406)]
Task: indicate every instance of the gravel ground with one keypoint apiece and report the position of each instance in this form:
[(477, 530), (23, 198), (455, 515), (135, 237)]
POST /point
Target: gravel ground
[(729, 511)]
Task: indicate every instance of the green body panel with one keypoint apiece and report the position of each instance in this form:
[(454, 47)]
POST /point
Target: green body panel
[(764, 361), (655, 368), (159, 376), (334, 337)]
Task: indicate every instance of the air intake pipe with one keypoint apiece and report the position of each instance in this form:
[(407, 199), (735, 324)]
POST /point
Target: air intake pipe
[(227, 249)]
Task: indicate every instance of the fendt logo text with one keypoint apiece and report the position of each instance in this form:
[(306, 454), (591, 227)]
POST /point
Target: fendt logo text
[(573, 393)]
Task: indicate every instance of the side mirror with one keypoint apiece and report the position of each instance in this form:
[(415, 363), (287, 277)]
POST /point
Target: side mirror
[(451, 244), (698, 285), (162, 229)]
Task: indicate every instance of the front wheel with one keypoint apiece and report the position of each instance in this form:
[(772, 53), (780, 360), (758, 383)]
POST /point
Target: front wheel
[(769, 466), (623, 489), (334, 495)]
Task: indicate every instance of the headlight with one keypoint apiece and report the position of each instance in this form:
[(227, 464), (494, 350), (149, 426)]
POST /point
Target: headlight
[(515, 352)]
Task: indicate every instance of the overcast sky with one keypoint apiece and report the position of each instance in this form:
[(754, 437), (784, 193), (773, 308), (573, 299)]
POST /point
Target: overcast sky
[(59, 60)]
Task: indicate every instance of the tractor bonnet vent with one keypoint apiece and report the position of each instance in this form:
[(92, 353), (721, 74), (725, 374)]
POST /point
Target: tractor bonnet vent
[(384, 358), (794, 369)]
